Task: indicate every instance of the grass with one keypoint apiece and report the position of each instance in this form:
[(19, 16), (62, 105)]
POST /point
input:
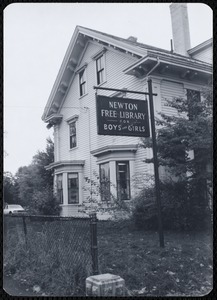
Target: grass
[(182, 268), (56, 258), (54, 255)]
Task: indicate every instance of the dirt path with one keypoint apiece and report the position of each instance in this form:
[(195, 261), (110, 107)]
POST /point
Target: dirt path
[(15, 288)]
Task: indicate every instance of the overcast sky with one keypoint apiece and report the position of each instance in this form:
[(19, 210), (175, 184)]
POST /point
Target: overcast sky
[(36, 37)]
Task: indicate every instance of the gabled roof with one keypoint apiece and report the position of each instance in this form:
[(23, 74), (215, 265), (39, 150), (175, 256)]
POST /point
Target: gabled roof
[(200, 47), (80, 38)]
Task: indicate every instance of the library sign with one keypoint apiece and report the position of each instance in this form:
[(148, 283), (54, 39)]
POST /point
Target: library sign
[(122, 116)]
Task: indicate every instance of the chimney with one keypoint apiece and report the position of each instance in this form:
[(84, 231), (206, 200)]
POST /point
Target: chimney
[(180, 28), (132, 39)]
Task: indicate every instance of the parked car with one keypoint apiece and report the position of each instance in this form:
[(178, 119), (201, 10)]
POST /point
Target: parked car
[(13, 209)]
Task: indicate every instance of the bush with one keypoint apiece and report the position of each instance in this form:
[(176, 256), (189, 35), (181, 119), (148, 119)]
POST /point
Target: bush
[(45, 202), (178, 211)]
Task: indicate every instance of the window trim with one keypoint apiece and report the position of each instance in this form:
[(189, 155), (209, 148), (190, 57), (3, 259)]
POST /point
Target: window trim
[(70, 120), (76, 134), (100, 180), (61, 190), (77, 173), (99, 55), (128, 179), (79, 71), (100, 70)]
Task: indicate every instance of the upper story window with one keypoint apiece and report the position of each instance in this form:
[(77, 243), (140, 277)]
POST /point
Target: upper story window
[(100, 69), (72, 135), (82, 82), (193, 98)]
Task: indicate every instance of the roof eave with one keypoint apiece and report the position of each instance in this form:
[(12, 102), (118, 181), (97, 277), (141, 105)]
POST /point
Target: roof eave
[(98, 37), (171, 60)]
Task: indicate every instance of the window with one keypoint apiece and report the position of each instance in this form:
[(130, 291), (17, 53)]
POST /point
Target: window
[(104, 174), (72, 135), (100, 69), (193, 98), (123, 180), (82, 82), (73, 188), (60, 188)]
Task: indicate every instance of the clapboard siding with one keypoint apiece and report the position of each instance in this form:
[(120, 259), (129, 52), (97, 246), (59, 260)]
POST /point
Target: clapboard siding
[(88, 139), (205, 55), (170, 90), (115, 64)]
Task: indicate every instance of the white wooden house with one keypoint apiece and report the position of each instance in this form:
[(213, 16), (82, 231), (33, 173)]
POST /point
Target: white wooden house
[(95, 58)]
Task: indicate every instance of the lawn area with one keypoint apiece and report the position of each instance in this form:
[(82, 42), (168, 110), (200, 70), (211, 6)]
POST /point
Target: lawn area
[(56, 257), (182, 268)]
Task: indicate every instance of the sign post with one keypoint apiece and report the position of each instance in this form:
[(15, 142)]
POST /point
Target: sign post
[(129, 117), (156, 171)]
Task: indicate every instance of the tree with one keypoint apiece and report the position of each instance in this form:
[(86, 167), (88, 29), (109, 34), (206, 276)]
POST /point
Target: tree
[(9, 188), (188, 131), (34, 179), (42, 159)]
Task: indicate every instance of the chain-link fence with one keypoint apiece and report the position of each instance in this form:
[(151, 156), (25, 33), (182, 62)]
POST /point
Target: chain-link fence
[(58, 252)]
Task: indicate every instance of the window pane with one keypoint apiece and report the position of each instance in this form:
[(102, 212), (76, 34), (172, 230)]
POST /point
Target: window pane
[(59, 188), (73, 188), (104, 181), (101, 76), (82, 82), (123, 180), (100, 69), (99, 63), (72, 142), (82, 76), (82, 89), (72, 135), (72, 128)]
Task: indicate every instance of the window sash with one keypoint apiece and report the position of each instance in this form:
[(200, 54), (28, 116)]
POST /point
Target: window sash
[(104, 174), (82, 82), (72, 135), (73, 188), (123, 180), (100, 68), (60, 188)]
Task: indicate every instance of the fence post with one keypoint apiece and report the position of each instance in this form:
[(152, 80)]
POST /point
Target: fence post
[(24, 228), (94, 247)]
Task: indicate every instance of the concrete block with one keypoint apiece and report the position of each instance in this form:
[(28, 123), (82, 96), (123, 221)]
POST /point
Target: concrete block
[(105, 285)]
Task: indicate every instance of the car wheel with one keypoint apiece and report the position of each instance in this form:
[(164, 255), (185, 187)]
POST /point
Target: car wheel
[(10, 212)]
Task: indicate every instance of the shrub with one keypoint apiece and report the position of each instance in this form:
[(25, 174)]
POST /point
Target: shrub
[(45, 202), (178, 210)]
